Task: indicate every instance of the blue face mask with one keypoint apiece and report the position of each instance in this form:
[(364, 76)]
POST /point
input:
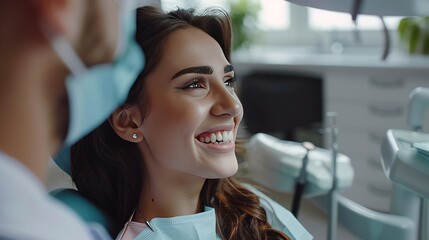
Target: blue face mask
[(95, 92)]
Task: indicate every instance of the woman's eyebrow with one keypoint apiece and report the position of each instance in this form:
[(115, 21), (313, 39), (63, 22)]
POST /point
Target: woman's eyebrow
[(198, 69), (228, 68)]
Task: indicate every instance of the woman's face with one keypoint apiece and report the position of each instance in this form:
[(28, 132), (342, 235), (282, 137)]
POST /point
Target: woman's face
[(192, 110)]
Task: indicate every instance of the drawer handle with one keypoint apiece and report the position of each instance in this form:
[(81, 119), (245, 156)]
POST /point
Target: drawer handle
[(386, 111), (379, 191), (389, 84), (375, 164)]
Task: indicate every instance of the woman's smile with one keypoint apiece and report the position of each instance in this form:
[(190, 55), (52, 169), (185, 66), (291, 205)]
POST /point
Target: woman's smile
[(216, 137), (219, 141)]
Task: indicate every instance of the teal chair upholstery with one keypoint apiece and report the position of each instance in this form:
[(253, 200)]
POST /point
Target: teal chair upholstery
[(88, 211)]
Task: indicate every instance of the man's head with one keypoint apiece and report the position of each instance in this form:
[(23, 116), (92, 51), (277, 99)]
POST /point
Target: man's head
[(34, 98)]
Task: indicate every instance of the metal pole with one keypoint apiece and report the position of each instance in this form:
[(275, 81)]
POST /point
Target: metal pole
[(424, 220), (333, 206)]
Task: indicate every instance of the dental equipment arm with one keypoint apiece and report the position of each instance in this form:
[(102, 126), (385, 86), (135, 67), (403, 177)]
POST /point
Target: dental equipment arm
[(378, 8), (405, 158), (419, 102), (333, 195), (302, 179), (371, 7)]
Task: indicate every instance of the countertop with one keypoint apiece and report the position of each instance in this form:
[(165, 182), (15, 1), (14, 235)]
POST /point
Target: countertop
[(308, 59)]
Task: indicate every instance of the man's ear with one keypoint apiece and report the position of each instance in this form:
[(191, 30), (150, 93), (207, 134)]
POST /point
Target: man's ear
[(53, 13), (126, 122)]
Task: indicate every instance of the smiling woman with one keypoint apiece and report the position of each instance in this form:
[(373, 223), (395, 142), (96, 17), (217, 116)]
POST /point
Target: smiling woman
[(168, 153)]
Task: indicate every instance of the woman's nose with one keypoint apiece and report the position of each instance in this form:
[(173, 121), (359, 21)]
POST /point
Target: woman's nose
[(226, 102)]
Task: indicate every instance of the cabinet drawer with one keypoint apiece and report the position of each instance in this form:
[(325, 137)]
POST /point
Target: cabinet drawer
[(360, 142), (364, 151), (370, 115), (367, 196), (371, 188), (366, 161), (389, 87), (367, 172)]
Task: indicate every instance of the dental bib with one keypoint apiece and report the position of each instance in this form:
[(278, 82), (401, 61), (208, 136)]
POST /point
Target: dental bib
[(196, 226), (203, 225)]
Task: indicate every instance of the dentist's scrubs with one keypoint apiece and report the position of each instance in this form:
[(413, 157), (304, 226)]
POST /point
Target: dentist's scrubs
[(203, 225), (28, 212)]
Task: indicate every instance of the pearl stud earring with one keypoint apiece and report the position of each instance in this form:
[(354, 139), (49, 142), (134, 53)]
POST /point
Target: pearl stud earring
[(134, 135)]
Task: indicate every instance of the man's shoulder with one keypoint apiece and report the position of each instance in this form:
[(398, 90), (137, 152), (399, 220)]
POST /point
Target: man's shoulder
[(28, 212)]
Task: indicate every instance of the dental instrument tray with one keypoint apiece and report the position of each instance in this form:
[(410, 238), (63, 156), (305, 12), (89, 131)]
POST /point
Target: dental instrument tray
[(406, 160), (276, 164)]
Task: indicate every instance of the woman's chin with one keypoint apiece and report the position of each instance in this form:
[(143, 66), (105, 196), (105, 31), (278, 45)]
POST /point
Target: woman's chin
[(227, 169)]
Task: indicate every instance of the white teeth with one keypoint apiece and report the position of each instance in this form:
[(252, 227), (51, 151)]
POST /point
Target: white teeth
[(225, 136), (212, 137), (219, 137)]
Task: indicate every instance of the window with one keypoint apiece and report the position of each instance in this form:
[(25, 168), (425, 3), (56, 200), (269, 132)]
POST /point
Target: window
[(273, 15), (286, 24), (328, 20)]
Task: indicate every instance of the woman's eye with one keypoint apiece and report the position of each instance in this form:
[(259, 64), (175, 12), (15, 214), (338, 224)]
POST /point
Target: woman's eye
[(195, 84), (230, 82)]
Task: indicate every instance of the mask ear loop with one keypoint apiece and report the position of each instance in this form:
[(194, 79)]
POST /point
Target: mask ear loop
[(65, 51)]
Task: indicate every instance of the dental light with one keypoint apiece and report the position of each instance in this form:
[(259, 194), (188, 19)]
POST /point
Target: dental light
[(371, 7)]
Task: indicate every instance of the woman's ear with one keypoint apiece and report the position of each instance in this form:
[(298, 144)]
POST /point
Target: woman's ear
[(126, 122)]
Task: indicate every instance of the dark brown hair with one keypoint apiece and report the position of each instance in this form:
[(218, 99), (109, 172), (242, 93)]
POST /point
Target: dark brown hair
[(107, 169)]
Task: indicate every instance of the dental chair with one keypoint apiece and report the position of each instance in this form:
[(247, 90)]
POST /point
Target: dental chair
[(277, 164), (405, 159), (281, 103), (86, 210)]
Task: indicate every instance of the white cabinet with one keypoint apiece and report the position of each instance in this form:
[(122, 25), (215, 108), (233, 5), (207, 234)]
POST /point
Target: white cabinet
[(368, 103)]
